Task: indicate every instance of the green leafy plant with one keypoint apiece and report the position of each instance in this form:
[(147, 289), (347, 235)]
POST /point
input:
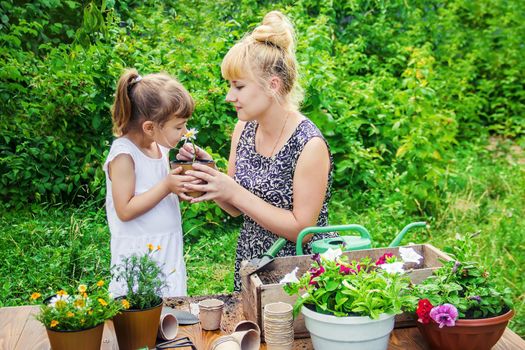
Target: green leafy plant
[(340, 287), (143, 278), (84, 308), (463, 285)]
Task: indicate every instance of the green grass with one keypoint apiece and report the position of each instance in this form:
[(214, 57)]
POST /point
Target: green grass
[(46, 249)]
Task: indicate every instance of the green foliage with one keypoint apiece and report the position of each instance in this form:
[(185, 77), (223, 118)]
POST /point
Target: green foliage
[(464, 284), (72, 310), (143, 278), (357, 288)]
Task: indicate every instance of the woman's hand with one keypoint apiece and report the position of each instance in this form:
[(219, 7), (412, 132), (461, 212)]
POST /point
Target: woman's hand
[(186, 153), (218, 186)]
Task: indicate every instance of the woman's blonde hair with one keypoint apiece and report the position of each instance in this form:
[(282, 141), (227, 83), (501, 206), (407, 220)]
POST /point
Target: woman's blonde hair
[(157, 97), (266, 52)]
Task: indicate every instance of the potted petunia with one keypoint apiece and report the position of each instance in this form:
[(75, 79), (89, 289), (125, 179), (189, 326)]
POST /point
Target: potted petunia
[(352, 304), (190, 136), (74, 319), (460, 306), (136, 326)]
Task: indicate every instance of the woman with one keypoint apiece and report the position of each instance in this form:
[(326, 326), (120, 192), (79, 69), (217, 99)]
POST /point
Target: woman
[(279, 169)]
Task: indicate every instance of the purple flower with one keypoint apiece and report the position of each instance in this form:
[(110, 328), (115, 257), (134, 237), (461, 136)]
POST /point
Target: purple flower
[(444, 315), (317, 258), (476, 297)]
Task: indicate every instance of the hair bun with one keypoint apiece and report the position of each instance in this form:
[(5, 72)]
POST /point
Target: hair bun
[(276, 29)]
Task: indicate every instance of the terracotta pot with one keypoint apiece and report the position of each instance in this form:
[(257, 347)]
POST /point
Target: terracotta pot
[(85, 339), (137, 328), (467, 334), (189, 166)]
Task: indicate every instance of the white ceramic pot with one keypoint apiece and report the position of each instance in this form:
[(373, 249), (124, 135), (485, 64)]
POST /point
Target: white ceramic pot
[(348, 333)]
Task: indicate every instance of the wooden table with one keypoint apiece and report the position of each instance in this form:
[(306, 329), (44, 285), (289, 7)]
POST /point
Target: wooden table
[(19, 330)]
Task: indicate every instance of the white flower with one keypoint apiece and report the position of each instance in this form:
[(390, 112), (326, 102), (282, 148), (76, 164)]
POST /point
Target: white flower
[(409, 255), (290, 277), (395, 267), (57, 298), (332, 254), (190, 135)]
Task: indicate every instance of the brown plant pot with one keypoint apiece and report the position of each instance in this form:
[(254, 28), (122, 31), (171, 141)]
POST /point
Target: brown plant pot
[(189, 166), (137, 328), (85, 339), (467, 334)]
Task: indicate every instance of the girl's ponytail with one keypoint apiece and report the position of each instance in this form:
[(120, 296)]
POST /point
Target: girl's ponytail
[(121, 111)]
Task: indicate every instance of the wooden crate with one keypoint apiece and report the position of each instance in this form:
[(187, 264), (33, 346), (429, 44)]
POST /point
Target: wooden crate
[(256, 294)]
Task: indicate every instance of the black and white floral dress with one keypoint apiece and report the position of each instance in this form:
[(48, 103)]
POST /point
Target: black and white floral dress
[(272, 180)]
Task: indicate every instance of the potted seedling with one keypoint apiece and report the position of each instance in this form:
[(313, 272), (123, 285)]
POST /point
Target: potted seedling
[(191, 135), (137, 325), (75, 319)]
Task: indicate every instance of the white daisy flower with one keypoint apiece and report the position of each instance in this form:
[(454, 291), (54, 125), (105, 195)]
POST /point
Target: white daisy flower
[(190, 135)]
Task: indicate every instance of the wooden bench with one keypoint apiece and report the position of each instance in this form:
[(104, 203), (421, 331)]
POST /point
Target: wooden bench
[(19, 330)]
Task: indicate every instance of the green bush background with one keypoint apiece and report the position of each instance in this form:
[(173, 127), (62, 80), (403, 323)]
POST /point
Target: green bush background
[(406, 92)]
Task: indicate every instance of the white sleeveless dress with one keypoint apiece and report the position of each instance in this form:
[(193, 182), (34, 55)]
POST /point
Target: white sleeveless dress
[(159, 226)]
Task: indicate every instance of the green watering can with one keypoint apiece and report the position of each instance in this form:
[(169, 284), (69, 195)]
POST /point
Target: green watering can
[(363, 241)]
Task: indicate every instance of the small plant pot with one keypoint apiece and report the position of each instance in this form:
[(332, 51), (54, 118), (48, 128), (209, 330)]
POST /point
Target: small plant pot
[(249, 340), (210, 314), (168, 326), (225, 342), (85, 339), (467, 334), (137, 328), (247, 325), (189, 166)]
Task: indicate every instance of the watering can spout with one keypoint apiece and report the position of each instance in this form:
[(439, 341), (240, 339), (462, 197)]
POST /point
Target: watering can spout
[(401, 234)]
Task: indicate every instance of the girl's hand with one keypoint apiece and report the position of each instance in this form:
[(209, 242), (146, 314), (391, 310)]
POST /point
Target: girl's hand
[(175, 183), (218, 186), (186, 153)]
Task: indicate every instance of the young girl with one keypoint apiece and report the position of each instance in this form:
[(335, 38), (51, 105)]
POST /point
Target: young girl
[(149, 118), (280, 165)]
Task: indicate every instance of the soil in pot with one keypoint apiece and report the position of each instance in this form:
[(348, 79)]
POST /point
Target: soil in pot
[(189, 166), (467, 334)]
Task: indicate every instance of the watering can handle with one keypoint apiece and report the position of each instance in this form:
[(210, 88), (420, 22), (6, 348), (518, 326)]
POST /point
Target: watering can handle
[(321, 229), (401, 234)]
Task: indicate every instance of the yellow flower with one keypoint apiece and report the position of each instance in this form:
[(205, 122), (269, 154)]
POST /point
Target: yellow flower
[(102, 302), (100, 283), (62, 292), (35, 295), (54, 323), (82, 288), (70, 314), (150, 247), (125, 304), (84, 295), (60, 303), (79, 303), (158, 247), (90, 312)]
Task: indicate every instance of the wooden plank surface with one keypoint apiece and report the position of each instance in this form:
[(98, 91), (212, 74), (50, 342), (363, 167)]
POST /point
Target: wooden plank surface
[(20, 330)]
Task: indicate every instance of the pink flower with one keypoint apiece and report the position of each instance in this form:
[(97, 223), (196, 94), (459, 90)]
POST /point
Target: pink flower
[(444, 315), (315, 272), (345, 270), (382, 258)]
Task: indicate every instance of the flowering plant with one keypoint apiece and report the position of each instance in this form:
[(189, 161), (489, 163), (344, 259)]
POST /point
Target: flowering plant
[(191, 135), (84, 308), (143, 278), (334, 285), (459, 289)]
